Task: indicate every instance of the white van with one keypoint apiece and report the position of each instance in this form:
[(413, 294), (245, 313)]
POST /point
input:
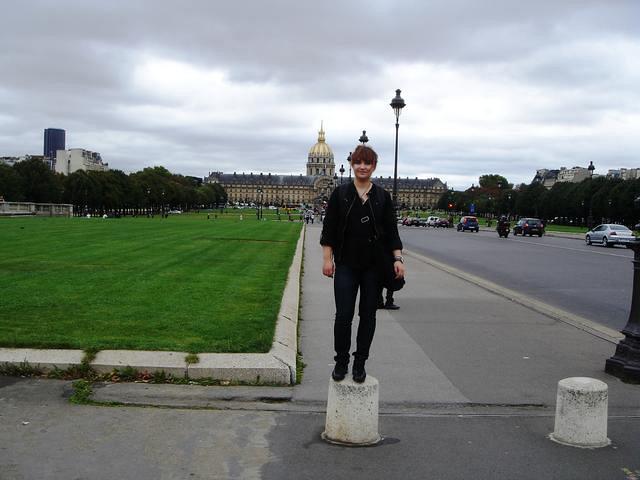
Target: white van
[(431, 221)]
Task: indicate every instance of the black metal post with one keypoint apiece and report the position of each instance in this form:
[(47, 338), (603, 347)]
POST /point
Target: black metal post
[(397, 104), (590, 223), (395, 170), (625, 364)]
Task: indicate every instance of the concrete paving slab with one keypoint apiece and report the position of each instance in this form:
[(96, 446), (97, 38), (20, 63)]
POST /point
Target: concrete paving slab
[(405, 372), (249, 367), (186, 396), (44, 359), (173, 363)]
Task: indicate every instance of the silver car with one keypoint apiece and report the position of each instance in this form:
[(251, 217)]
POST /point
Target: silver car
[(609, 234)]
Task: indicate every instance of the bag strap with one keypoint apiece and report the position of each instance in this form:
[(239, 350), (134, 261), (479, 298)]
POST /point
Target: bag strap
[(380, 198)]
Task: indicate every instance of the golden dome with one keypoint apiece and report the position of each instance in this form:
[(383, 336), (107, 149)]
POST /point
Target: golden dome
[(320, 149)]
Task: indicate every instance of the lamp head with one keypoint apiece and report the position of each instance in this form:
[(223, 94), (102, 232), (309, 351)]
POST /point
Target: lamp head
[(397, 103)]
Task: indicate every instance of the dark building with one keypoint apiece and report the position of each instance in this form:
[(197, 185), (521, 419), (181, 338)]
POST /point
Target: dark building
[(54, 140)]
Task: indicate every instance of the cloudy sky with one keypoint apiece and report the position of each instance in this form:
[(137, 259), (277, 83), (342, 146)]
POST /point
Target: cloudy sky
[(495, 86)]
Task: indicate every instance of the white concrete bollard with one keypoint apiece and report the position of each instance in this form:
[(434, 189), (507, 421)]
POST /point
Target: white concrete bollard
[(581, 413), (352, 413)]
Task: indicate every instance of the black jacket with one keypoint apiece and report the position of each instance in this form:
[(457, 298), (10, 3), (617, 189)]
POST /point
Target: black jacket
[(340, 204)]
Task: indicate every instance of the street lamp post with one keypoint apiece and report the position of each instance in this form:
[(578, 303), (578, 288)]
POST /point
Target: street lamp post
[(625, 363), (397, 104), (341, 173), (349, 162), (591, 168), (260, 208)]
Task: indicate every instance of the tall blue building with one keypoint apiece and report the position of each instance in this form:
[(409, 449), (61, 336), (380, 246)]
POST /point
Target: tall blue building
[(54, 140)]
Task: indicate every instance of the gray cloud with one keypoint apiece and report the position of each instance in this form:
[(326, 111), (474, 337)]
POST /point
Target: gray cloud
[(561, 76)]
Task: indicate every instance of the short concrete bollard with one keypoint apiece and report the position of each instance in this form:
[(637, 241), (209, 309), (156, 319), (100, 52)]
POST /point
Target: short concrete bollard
[(352, 413), (581, 413)]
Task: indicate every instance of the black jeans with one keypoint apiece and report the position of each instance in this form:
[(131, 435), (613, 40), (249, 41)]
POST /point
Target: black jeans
[(346, 282)]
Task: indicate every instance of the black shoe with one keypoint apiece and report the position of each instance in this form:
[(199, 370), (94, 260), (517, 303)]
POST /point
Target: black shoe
[(359, 373), (380, 305), (391, 306), (340, 371)]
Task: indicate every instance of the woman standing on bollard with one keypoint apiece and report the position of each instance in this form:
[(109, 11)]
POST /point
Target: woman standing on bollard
[(359, 230)]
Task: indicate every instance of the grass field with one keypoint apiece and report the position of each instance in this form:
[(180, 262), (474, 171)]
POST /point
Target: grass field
[(183, 283)]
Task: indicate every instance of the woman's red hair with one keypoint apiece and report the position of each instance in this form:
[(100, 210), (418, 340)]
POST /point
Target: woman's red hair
[(364, 154)]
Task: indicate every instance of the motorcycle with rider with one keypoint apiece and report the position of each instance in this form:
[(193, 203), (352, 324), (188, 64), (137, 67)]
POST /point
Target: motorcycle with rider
[(503, 226)]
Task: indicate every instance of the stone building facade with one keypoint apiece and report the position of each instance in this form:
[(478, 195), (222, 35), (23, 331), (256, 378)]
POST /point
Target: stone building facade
[(69, 161), (318, 183)]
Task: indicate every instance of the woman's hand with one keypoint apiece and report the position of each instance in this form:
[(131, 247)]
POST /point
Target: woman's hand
[(398, 267), (328, 268)]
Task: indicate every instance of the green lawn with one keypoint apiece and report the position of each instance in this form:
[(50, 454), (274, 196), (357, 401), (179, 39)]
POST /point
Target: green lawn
[(183, 283), (550, 227)]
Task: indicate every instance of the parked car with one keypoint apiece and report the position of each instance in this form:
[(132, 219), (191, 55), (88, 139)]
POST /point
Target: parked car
[(529, 226), (175, 211), (468, 223), (609, 234), (443, 223), (431, 221)]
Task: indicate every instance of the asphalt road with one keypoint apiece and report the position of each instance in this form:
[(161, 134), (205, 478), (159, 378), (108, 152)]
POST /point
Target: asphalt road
[(43, 436), (591, 281)]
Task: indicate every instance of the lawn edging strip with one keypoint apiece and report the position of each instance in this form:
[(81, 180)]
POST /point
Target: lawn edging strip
[(278, 366)]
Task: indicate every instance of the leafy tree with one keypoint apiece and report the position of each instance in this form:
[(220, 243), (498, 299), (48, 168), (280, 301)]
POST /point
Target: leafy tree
[(38, 183), (530, 199), (10, 186), (493, 181), (77, 187)]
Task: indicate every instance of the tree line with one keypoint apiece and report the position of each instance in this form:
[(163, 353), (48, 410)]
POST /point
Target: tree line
[(592, 201), (153, 189)]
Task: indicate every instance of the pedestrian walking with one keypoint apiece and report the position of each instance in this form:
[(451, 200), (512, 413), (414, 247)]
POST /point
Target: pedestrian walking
[(358, 231)]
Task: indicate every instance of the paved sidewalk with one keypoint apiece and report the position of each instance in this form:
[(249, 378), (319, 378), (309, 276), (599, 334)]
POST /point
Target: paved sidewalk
[(453, 342)]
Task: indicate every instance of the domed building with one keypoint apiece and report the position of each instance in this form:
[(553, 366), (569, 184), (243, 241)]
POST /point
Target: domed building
[(316, 186), (320, 158), (320, 165), (284, 190)]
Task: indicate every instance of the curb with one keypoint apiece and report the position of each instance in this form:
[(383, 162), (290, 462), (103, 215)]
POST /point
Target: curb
[(581, 323), (570, 236), (277, 367)]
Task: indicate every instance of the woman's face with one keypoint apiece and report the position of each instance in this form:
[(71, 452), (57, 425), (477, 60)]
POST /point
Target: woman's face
[(362, 170)]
